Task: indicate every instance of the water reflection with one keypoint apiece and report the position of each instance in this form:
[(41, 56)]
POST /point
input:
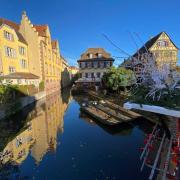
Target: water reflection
[(37, 134), (29, 144), (124, 129)]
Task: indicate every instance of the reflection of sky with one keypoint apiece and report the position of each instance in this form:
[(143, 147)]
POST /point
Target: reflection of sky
[(89, 152)]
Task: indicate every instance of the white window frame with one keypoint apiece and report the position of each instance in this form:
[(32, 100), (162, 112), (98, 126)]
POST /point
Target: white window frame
[(9, 36)]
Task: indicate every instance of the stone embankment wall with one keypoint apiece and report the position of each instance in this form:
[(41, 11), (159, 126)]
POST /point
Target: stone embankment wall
[(10, 109)]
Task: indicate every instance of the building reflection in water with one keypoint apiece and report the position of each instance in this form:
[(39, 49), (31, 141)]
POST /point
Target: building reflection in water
[(40, 134)]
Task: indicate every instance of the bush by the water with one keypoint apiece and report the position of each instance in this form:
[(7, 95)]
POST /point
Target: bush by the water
[(116, 79)]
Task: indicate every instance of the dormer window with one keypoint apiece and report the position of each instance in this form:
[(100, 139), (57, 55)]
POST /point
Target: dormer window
[(90, 56), (8, 36), (99, 55)]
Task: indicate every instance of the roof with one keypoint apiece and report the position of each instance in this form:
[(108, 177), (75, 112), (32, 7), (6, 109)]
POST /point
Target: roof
[(21, 38), (14, 26), (150, 43), (95, 51), (41, 29), (21, 75), (74, 67)]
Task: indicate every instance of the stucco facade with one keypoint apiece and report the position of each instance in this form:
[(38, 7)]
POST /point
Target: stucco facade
[(12, 58), (31, 36), (93, 64), (41, 54)]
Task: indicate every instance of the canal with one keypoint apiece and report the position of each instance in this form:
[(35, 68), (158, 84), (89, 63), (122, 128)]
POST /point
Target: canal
[(52, 139)]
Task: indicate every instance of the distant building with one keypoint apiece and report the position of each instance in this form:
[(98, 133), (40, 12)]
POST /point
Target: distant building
[(65, 73), (73, 71), (92, 65), (161, 47)]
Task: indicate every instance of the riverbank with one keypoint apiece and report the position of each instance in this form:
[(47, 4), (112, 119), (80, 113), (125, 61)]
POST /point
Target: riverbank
[(10, 109)]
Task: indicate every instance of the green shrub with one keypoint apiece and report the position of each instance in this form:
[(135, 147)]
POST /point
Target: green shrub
[(41, 86)]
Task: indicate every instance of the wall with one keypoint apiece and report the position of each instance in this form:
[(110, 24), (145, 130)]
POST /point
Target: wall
[(11, 61), (31, 36)]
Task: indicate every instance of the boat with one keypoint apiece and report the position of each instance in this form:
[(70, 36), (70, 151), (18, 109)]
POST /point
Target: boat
[(99, 115)]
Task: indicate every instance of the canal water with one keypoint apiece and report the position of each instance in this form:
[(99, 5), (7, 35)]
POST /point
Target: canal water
[(52, 139)]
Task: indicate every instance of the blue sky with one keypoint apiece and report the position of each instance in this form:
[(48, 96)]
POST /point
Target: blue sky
[(79, 24)]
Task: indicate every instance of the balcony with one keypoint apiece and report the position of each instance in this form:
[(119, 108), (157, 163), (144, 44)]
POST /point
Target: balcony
[(86, 80)]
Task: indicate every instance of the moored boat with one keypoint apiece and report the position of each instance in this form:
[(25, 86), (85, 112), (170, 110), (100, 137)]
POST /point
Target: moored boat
[(100, 115)]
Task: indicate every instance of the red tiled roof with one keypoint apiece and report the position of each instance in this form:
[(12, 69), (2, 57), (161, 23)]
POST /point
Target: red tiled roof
[(74, 67), (14, 26), (9, 23), (41, 29)]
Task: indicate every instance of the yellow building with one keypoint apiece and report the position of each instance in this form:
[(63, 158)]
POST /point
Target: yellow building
[(13, 49), (160, 47), (45, 53), (73, 71), (28, 48)]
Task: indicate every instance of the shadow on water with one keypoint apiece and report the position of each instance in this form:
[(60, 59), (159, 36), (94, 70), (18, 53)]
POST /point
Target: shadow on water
[(65, 94)]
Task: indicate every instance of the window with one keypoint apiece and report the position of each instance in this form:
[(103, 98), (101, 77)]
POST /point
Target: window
[(8, 36), (89, 64), (108, 64), (101, 64), (80, 65), (23, 63), (92, 75), (80, 75), (105, 64), (98, 75), (19, 81), (10, 52), (99, 55), (98, 64), (86, 75), (162, 43), (21, 50), (95, 64), (12, 69), (90, 56)]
